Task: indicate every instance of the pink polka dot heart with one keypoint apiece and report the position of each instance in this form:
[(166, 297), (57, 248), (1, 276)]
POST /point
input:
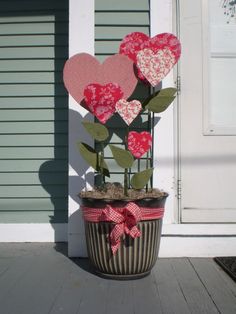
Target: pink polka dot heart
[(101, 99), (128, 110), (139, 143)]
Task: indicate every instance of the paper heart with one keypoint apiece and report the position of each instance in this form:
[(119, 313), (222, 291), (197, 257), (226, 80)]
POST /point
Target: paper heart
[(139, 143), (136, 41), (155, 65), (83, 69), (101, 99), (128, 110)]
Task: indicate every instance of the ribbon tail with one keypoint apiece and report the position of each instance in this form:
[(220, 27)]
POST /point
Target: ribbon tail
[(115, 235), (115, 248), (134, 232)]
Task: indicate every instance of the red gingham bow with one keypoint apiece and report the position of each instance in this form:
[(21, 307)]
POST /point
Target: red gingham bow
[(125, 220)]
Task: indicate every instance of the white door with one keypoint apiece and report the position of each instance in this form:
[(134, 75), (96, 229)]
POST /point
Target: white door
[(207, 112)]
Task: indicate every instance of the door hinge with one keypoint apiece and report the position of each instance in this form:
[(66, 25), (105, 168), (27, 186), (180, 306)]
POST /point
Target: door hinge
[(179, 194), (178, 84)]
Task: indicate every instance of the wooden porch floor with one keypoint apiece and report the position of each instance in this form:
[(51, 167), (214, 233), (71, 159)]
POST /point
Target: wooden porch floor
[(40, 278)]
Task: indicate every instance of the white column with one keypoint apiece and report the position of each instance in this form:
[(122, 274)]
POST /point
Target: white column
[(81, 39), (161, 22)]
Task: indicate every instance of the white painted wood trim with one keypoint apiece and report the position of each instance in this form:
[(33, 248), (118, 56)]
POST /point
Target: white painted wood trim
[(208, 215), (198, 240), (197, 246), (161, 19), (198, 229), (33, 232), (81, 39)]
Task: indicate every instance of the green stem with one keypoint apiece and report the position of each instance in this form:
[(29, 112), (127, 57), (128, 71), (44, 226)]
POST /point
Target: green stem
[(126, 182), (147, 160), (102, 160), (126, 169)]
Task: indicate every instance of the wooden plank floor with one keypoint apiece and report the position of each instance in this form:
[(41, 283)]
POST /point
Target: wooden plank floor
[(40, 279)]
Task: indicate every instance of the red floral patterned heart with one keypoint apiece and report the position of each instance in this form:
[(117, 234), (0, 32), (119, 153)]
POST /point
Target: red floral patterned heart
[(83, 69), (128, 110), (155, 65), (101, 99), (139, 143), (136, 41)]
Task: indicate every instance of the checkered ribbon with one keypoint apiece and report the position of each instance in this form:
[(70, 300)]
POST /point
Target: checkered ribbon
[(125, 220)]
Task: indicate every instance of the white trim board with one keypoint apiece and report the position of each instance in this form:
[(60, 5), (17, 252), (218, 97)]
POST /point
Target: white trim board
[(198, 229), (44, 232), (164, 172), (197, 246), (81, 39), (198, 240)]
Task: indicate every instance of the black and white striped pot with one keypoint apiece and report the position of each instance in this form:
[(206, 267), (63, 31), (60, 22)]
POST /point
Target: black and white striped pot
[(135, 257)]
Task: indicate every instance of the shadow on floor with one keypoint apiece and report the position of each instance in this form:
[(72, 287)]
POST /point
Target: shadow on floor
[(83, 263)]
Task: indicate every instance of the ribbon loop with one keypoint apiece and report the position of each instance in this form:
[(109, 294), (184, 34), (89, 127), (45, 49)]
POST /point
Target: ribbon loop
[(125, 220)]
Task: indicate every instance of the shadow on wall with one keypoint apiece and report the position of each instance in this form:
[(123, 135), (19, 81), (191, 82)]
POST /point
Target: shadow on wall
[(53, 173), (72, 185)]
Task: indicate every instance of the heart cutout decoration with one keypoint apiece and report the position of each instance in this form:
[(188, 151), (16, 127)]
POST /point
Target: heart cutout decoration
[(128, 110), (83, 69), (139, 143), (137, 41), (155, 65), (101, 99)]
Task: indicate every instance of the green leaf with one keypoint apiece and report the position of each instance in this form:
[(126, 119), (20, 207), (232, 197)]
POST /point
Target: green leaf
[(161, 100), (93, 159), (140, 179), (98, 131), (123, 157)]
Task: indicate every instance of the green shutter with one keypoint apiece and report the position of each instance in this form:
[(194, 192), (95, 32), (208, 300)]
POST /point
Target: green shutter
[(33, 111), (113, 20)]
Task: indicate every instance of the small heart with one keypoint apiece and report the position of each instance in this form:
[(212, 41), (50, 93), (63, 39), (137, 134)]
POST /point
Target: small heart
[(139, 143), (136, 41), (101, 99), (155, 65), (128, 110)]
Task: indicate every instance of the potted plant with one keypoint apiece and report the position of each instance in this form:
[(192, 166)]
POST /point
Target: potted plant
[(122, 220)]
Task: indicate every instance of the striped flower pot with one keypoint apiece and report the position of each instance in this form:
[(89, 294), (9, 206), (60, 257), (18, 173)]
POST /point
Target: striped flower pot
[(136, 256)]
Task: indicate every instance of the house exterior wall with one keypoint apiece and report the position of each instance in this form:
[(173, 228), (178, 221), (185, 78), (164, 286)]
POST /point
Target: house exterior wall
[(33, 117)]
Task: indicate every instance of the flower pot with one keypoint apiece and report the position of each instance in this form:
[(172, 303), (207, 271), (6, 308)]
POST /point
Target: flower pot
[(135, 257)]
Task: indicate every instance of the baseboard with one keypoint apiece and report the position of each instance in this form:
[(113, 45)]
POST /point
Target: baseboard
[(197, 246), (33, 232)]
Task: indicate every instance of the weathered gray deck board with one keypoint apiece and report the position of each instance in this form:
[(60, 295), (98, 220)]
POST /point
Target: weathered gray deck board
[(145, 296), (216, 285), (120, 297), (167, 284), (35, 289), (41, 279), (196, 296)]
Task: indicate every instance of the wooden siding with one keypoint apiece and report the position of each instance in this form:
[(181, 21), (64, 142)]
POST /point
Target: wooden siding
[(33, 111), (113, 21)]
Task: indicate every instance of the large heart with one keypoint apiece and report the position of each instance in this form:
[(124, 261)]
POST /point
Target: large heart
[(101, 99), (136, 41), (139, 143), (83, 69), (155, 65), (128, 110)]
